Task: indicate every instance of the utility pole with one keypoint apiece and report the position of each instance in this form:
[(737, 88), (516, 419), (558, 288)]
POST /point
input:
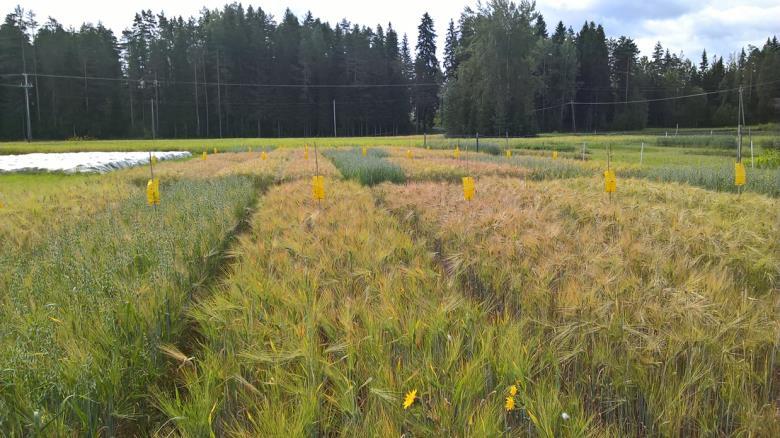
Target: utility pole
[(219, 98), (86, 94), (34, 25), (27, 87), (154, 133), (628, 64), (334, 118), (130, 90), (197, 110), (156, 113), (205, 91), (573, 121)]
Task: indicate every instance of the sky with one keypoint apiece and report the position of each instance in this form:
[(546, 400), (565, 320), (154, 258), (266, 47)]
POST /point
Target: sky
[(723, 27)]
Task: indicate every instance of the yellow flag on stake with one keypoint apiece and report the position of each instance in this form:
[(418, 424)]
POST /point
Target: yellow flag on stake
[(610, 181), (468, 188), (365, 151), (306, 153), (203, 156), (739, 174), (456, 153), (264, 156), (555, 155), (408, 153), (509, 153), (153, 191), (318, 187)]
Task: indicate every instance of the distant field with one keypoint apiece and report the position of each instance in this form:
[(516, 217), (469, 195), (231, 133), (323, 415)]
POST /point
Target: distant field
[(689, 150)]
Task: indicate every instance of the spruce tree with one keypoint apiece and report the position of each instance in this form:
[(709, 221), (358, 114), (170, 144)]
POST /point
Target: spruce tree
[(426, 74), (450, 52)]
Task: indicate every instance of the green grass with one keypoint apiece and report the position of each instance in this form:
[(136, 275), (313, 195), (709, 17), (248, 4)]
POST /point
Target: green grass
[(719, 141), (83, 312), (542, 168), (369, 170), (721, 179), (197, 146)]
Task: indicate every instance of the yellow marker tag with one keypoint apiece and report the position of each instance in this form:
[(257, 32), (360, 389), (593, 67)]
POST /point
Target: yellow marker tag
[(456, 153), (154, 159), (468, 188), (739, 174), (318, 187), (306, 153), (408, 153), (508, 153), (203, 156), (365, 151), (215, 150), (610, 181), (555, 155), (264, 156), (153, 191)]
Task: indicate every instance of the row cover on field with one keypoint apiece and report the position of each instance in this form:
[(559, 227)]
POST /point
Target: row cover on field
[(84, 162)]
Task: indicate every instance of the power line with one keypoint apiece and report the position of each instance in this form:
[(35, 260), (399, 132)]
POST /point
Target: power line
[(233, 84), (660, 99)]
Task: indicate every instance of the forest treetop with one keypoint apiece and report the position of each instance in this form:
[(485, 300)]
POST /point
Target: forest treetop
[(239, 72)]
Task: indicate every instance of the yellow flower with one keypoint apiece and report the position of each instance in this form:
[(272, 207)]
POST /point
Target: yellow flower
[(513, 390), (411, 396), (509, 405)]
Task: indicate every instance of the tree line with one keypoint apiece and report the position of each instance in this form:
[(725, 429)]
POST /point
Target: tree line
[(236, 72), (506, 73)]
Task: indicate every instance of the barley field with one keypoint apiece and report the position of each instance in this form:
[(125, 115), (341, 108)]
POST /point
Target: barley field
[(243, 306)]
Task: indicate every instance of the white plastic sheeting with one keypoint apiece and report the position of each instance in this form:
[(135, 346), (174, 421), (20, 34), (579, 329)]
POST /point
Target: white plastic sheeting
[(80, 162)]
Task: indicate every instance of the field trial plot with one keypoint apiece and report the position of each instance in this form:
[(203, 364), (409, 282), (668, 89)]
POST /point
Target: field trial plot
[(243, 306)]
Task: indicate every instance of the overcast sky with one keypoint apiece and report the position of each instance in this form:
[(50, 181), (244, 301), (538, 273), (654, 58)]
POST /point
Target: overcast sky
[(720, 26)]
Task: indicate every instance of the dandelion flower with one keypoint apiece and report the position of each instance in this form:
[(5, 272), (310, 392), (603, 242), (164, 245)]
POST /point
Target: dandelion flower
[(509, 405), (565, 416), (411, 396), (513, 390)]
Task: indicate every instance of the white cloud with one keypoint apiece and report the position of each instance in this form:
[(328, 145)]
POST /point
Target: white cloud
[(720, 26)]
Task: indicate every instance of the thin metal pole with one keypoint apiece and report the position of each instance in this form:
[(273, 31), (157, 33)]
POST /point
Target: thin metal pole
[(750, 136), (642, 153), (334, 119), (739, 128)]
